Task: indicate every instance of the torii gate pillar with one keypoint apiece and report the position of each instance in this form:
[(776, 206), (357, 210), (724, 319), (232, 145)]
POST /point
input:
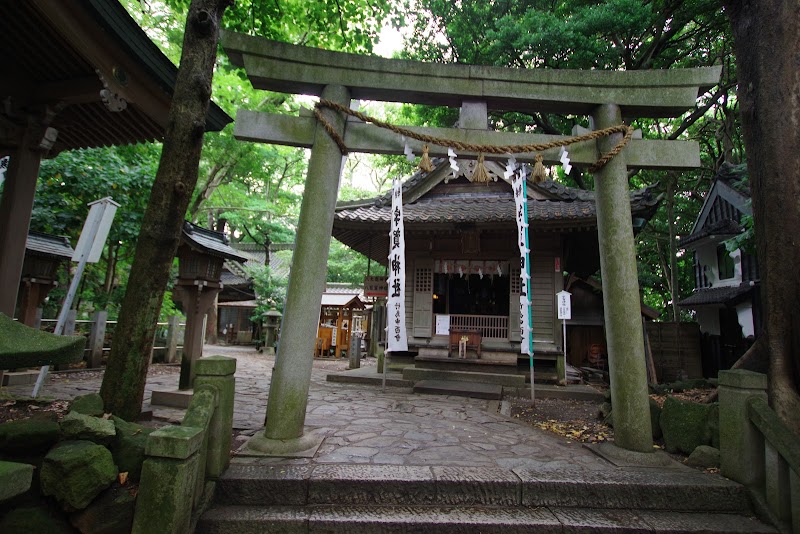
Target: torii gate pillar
[(621, 303), (288, 389)]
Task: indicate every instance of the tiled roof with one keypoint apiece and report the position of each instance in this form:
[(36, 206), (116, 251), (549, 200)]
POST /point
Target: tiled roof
[(482, 209), (717, 295), (210, 242), (41, 244), (724, 228)]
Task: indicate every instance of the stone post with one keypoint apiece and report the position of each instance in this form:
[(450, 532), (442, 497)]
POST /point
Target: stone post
[(173, 323), (291, 377), (196, 300), (169, 476), (354, 352), (741, 446), (218, 372), (97, 338), (622, 307)]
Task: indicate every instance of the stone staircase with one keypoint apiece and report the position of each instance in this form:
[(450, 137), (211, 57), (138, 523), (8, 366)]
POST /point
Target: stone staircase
[(283, 498)]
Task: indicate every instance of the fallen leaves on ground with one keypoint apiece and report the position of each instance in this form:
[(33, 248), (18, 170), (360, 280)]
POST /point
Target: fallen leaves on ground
[(571, 419)]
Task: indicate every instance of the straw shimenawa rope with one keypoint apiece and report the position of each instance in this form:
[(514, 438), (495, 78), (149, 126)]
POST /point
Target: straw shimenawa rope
[(469, 147)]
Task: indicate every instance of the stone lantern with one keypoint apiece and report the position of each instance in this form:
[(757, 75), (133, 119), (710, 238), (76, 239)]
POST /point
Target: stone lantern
[(272, 319), (44, 254), (200, 258)]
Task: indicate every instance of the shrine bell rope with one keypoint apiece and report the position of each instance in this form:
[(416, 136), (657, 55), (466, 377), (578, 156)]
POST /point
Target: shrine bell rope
[(468, 147)]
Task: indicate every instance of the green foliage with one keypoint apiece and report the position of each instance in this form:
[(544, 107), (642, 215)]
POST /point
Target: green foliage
[(66, 185), (346, 265), (607, 35), (270, 290)]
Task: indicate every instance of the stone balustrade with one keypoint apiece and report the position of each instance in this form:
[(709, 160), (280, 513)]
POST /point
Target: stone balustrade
[(183, 462), (757, 449)]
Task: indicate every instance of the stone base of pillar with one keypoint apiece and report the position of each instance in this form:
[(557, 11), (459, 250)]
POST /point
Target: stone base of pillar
[(174, 398), (303, 447), (626, 458)]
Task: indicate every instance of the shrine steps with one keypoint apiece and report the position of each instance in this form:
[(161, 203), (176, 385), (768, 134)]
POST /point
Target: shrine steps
[(252, 498), (473, 390)]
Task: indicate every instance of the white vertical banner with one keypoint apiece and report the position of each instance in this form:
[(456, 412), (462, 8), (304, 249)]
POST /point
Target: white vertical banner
[(521, 205), (396, 303)]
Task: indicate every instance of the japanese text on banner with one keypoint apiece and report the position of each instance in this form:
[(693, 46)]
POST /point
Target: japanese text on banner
[(396, 303)]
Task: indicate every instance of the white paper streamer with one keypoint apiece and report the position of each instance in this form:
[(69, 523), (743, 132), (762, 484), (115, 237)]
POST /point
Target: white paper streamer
[(563, 156), (453, 165), (408, 152)]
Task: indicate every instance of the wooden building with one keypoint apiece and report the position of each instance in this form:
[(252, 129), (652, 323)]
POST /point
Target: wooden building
[(462, 270), (342, 314), (726, 296)]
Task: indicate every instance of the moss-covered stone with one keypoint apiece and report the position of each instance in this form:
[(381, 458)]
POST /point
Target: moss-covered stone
[(684, 425), (655, 419), (712, 425), (128, 447), (23, 346), (34, 520), (75, 472), (110, 513), (91, 404), (76, 425), (704, 456), (28, 436), (15, 478)]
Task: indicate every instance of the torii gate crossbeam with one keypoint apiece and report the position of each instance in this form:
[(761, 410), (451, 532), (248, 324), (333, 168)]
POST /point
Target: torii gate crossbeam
[(606, 96)]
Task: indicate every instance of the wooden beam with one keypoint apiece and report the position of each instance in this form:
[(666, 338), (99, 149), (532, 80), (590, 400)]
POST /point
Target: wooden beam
[(362, 137)]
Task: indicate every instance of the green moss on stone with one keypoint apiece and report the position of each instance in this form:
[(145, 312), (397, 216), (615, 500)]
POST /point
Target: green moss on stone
[(75, 425), (28, 436), (91, 404), (75, 472), (128, 447), (23, 346), (684, 425)]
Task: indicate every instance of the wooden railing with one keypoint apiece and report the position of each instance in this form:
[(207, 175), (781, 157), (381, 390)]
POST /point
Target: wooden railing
[(490, 326)]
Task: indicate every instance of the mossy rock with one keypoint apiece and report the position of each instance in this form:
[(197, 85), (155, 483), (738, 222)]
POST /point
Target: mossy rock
[(128, 447), (75, 472), (712, 425), (15, 479), (35, 520), (28, 436), (684, 425), (655, 419), (23, 346), (110, 513), (91, 404), (704, 456), (76, 425)]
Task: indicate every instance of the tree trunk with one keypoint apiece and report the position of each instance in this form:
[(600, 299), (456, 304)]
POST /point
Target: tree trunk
[(767, 37), (123, 384)]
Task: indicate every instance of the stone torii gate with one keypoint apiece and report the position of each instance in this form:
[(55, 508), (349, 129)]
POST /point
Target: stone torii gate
[(607, 97)]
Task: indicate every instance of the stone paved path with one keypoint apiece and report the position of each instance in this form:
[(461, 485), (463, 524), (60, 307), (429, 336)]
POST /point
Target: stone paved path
[(364, 425)]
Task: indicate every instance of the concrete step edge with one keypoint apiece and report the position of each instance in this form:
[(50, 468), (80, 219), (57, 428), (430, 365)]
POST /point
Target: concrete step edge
[(502, 379), (349, 518), (420, 485)]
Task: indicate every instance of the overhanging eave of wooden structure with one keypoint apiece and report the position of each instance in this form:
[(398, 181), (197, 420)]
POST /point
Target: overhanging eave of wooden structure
[(290, 130), (57, 58), (277, 66)]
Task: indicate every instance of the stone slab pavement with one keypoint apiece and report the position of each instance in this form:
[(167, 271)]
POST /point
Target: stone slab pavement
[(362, 424)]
